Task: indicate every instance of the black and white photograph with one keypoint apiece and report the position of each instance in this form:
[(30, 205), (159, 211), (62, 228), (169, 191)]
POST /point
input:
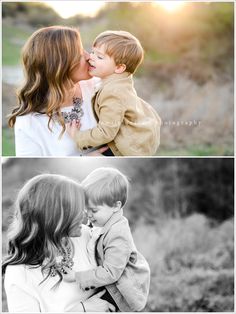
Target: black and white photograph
[(117, 156), (124, 234)]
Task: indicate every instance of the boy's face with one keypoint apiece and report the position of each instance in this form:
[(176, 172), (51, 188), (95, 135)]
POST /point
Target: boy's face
[(101, 65), (99, 214)]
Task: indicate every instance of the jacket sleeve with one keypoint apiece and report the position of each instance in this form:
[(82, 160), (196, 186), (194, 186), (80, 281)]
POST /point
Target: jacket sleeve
[(111, 115), (116, 257), (20, 297)]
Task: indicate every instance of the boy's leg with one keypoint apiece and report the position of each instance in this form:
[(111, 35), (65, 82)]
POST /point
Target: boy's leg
[(108, 152), (109, 299)]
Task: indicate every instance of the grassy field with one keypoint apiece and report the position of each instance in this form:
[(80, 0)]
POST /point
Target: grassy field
[(192, 265), (8, 145), (13, 39)]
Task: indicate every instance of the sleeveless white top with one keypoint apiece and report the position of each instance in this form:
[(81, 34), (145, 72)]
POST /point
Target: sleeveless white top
[(26, 294), (33, 138)]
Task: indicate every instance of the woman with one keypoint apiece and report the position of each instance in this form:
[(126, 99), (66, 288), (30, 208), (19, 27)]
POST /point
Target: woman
[(45, 237), (57, 89)]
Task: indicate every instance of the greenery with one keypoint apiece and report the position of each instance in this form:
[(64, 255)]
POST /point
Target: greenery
[(13, 40), (198, 150), (8, 145)]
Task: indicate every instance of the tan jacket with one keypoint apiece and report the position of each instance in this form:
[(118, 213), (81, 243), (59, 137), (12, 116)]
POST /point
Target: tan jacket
[(122, 269), (129, 125)]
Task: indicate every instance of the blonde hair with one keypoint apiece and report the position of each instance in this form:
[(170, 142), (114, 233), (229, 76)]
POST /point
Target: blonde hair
[(106, 186), (123, 47), (49, 57), (47, 209)]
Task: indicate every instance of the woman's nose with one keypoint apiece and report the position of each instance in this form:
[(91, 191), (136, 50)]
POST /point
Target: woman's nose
[(89, 214), (87, 55)]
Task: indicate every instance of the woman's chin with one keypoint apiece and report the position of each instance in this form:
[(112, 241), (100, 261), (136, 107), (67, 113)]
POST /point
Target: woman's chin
[(91, 74)]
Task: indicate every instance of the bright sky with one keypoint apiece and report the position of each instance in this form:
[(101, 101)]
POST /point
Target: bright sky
[(70, 8), (171, 6)]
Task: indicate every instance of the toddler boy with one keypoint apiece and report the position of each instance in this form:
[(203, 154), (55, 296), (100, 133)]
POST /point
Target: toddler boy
[(126, 123), (121, 268)]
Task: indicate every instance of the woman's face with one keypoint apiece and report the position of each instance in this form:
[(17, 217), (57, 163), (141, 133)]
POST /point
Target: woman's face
[(80, 72), (76, 229)]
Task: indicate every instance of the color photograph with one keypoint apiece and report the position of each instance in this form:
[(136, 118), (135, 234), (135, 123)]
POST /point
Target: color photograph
[(182, 82)]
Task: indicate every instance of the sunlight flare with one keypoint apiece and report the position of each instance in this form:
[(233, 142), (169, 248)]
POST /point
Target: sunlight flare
[(171, 6), (67, 9)]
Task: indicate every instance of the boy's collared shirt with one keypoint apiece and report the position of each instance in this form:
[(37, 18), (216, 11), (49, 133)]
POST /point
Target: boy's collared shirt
[(123, 270), (129, 125)]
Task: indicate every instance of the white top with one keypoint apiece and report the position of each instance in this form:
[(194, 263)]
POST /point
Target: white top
[(26, 294), (33, 138)]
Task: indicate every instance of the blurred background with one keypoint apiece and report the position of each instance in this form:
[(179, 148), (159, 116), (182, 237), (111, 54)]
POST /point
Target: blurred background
[(181, 215), (187, 74)]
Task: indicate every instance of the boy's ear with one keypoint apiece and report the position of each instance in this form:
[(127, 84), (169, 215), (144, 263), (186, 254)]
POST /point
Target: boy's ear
[(120, 68), (117, 206)]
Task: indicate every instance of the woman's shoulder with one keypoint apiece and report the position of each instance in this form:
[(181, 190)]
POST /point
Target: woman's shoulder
[(15, 273), (27, 119)]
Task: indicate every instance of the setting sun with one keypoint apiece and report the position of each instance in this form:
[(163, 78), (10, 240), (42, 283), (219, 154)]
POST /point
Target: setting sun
[(170, 6)]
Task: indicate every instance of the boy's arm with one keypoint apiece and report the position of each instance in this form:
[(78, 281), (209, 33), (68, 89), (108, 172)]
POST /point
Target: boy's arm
[(111, 115), (116, 257)]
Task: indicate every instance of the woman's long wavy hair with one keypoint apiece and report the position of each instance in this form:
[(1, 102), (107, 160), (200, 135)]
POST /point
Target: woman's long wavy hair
[(47, 210), (49, 57)]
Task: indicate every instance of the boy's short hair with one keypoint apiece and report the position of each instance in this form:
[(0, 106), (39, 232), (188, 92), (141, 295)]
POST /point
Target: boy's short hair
[(123, 47), (106, 186)]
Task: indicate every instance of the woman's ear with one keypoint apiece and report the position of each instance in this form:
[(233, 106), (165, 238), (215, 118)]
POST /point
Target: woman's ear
[(120, 68), (117, 206)]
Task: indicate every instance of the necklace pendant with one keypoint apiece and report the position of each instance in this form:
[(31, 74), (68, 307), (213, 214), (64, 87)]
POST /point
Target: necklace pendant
[(63, 260), (76, 113)]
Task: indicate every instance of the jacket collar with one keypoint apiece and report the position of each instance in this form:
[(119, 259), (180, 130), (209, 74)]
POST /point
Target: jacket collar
[(114, 218), (116, 77)]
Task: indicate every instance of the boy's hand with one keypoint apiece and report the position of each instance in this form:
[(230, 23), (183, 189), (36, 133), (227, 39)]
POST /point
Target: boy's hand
[(69, 276), (72, 128)]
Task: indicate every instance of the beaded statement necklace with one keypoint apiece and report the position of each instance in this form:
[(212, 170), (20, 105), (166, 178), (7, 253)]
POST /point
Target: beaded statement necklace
[(76, 112), (63, 260)]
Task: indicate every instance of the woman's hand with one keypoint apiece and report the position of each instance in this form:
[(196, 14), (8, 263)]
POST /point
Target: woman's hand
[(69, 275), (72, 128), (96, 304)]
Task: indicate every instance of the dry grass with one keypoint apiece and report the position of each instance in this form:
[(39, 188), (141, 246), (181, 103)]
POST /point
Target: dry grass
[(195, 117), (192, 265)]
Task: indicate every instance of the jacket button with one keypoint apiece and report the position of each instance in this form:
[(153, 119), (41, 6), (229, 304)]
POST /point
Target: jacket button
[(84, 147), (90, 146), (92, 287), (86, 289)]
